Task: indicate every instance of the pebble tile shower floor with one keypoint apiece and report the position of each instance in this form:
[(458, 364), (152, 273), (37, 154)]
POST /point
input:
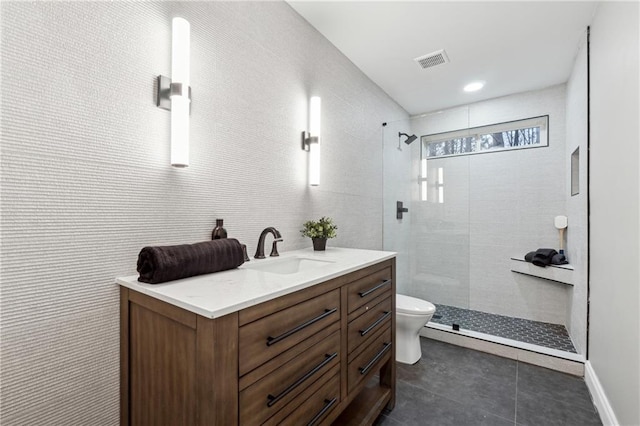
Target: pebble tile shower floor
[(456, 386), (544, 334)]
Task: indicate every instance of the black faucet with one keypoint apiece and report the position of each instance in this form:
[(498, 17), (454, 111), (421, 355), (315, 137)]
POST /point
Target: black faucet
[(274, 250)]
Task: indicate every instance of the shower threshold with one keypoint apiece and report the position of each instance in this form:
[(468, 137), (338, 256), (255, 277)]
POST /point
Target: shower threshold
[(534, 336)]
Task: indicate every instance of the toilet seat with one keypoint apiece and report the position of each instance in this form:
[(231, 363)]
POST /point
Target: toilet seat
[(412, 306)]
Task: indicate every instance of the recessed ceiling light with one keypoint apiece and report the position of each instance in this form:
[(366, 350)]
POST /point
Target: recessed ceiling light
[(474, 87)]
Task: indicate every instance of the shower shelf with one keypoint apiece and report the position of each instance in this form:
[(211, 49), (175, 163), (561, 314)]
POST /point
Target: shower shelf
[(559, 273)]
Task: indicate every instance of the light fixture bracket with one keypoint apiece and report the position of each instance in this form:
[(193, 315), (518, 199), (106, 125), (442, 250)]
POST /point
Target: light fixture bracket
[(166, 89), (308, 140)]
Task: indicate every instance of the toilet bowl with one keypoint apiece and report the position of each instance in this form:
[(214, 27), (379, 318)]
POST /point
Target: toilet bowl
[(411, 315)]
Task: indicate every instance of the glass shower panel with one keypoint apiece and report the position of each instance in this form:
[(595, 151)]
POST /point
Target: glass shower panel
[(439, 243), (468, 214), (432, 238), (397, 187)]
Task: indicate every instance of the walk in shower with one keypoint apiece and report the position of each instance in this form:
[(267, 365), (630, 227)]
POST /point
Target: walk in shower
[(476, 203)]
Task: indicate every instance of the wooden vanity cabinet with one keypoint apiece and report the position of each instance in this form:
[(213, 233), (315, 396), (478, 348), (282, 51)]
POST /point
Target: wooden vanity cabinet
[(319, 356)]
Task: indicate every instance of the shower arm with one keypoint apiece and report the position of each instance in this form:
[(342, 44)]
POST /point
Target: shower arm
[(410, 139)]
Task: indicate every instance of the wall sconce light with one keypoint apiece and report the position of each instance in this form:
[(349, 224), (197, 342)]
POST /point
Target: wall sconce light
[(311, 141), (175, 95)]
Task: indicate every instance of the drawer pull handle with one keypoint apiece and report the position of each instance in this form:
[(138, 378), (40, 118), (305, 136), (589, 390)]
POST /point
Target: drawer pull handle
[(328, 403), (372, 289), (273, 399), (326, 313), (365, 369), (386, 315)]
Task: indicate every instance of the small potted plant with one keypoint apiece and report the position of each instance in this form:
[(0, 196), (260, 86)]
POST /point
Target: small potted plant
[(319, 231)]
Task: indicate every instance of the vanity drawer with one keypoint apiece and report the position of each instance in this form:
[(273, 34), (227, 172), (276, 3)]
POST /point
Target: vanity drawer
[(275, 391), (267, 337), (365, 289), (317, 407), (377, 351), (366, 325)]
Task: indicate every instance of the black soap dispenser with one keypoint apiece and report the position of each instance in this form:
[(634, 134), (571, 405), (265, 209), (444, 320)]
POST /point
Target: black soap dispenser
[(218, 231)]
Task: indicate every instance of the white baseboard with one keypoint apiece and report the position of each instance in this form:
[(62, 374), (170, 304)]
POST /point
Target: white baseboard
[(607, 416)]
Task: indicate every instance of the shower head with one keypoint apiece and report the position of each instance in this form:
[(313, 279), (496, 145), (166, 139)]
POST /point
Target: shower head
[(409, 138)]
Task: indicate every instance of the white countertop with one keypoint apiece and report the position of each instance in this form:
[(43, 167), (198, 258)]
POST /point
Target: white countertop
[(221, 293)]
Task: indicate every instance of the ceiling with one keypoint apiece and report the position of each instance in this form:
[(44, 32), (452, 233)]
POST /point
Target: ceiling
[(513, 46)]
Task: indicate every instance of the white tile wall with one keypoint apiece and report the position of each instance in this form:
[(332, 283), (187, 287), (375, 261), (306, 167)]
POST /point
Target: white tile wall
[(86, 181)]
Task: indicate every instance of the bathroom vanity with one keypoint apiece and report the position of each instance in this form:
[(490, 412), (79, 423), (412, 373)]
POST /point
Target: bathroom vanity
[(304, 339)]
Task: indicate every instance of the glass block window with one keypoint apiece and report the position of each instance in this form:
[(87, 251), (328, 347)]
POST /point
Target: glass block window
[(529, 133)]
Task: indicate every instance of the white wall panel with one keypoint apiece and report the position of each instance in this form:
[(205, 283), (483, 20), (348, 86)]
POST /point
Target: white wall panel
[(614, 191)]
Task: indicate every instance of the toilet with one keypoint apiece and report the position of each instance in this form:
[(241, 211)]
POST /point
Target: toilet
[(411, 315)]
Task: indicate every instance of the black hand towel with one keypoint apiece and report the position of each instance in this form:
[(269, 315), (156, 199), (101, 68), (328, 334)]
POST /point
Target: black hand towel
[(543, 257), (166, 263)]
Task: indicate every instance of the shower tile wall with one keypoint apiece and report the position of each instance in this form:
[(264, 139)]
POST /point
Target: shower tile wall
[(496, 205)]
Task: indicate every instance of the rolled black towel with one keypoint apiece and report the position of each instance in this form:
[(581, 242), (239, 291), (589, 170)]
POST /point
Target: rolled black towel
[(167, 263), (543, 257), (529, 256)]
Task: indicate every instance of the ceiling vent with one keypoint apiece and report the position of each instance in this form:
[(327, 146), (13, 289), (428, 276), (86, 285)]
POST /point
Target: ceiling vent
[(432, 59)]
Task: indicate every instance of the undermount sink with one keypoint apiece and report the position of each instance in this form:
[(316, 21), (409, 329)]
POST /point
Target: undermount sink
[(290, 265)]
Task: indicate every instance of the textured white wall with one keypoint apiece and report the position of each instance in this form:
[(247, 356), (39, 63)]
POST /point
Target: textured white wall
[(614, 188), (576, 234), (496, 205), (86, 181)]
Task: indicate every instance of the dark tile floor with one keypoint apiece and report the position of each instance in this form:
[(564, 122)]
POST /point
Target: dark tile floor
[(545, 334), (456, 386)]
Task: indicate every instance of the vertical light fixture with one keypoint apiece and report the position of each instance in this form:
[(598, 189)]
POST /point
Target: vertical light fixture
[(311, 141), (175, 94), (180, 99)]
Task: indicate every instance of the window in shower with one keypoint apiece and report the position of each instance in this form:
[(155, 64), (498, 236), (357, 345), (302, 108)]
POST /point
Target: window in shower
[(528, 133)]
